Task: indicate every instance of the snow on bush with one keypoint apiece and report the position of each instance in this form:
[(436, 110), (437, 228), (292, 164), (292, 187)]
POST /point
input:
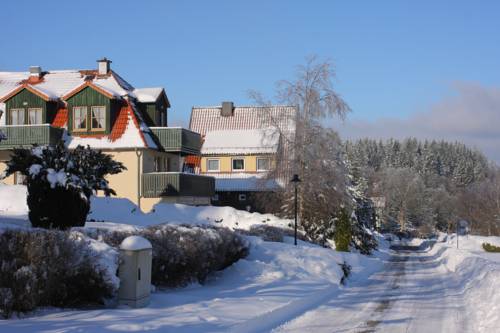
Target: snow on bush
[(271, 233), (53, 268), (60, 182), (183, 254)]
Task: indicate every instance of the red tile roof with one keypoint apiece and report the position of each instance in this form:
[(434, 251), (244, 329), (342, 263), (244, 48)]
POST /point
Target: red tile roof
[(61, 118), (120, 124), (193, 159), (125, 114)]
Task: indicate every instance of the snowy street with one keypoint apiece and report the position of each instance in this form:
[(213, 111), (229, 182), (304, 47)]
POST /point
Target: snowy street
[(411, 294), (434, 287)]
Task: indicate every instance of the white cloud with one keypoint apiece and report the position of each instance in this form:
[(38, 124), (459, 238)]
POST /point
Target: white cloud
[(470, 115)]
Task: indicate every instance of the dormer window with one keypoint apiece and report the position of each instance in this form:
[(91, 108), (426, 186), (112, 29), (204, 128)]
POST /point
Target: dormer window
[(17, 116), (98, 118), (80, 118), (35, 116)]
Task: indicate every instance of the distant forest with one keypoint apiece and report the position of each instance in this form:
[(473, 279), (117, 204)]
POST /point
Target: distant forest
[(427, 185)]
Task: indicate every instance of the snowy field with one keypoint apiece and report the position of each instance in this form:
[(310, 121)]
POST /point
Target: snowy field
[(280, 287)]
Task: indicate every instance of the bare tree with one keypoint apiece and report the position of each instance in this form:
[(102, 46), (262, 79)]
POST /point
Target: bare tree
[(312, 151), (480, 205)]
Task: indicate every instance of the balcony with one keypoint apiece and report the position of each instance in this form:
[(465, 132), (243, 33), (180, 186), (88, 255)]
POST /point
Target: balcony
[(161, 184), (19, 136), (177, 140)]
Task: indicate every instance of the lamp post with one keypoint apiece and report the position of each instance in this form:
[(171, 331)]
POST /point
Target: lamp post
[(295, 180)]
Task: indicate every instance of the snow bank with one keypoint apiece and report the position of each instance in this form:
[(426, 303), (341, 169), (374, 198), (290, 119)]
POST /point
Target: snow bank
[(120, 213), (123, 211), (13, 200), (476, 275)]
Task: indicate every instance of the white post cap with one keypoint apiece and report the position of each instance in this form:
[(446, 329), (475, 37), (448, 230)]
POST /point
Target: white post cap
[(135, 243)]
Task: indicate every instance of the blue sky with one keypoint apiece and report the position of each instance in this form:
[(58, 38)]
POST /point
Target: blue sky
[(393, 58)]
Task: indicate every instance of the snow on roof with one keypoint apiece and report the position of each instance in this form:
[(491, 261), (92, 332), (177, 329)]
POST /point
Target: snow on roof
[(244, 182), (133, 132), (57, 84), (10, 80), (207, 119), (253, 141), (135, 243), (148, 95)]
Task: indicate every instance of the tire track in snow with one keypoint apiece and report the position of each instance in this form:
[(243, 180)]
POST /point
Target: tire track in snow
[(275, 318)]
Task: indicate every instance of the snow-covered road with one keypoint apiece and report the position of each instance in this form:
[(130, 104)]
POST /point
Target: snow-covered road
[(412, 294)]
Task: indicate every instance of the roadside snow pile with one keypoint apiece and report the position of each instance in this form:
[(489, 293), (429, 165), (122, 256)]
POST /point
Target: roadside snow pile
[(123, 211), (476, 275)]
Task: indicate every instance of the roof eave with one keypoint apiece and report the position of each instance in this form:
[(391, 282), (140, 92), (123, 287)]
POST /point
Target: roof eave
[(18, 89)]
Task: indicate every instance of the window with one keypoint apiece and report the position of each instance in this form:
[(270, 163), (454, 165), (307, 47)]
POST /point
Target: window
[(213, 165), (238, 164), (17, 116), (263, 164), (98, 117), (160, 164), (80, 118), (242, 197), (35, 116)]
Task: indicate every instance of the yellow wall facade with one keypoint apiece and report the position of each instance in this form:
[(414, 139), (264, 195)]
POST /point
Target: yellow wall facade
[(225, 163), (127, 183)]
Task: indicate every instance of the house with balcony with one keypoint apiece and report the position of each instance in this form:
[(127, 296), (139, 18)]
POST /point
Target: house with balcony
[(240, 150), (98, 108)]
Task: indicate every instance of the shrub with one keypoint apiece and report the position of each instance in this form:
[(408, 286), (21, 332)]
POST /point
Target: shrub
[(60, 182), (491, 248), (342, 234), (49, 268), (184, 254), (270, 233)]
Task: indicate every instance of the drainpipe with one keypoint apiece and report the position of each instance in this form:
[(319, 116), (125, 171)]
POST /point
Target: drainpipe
[(138, 153)]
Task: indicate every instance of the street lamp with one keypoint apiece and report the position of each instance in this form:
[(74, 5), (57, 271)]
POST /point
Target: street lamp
[(295, 180)]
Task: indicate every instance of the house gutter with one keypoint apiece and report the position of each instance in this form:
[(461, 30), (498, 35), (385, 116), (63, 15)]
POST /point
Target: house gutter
[(138, 153)]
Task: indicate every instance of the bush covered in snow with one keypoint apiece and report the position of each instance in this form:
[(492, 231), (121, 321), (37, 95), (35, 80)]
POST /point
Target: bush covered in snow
[(270, 233), (60, 182), (183, 254), (51, 268)]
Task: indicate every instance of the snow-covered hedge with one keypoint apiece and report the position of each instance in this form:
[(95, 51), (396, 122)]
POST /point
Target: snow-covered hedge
[(183, 254), (271, 233), (53, 268)]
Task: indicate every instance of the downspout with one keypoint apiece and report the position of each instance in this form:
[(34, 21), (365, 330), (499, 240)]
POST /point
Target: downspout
[(138, 153)]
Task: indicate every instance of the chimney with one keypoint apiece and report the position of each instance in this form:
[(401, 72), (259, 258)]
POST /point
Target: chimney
[(35, 71), (227, 109), (103, 66)]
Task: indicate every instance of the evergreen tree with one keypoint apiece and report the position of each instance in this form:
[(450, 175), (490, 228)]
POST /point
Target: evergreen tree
[(60, 182), (342, 234)]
